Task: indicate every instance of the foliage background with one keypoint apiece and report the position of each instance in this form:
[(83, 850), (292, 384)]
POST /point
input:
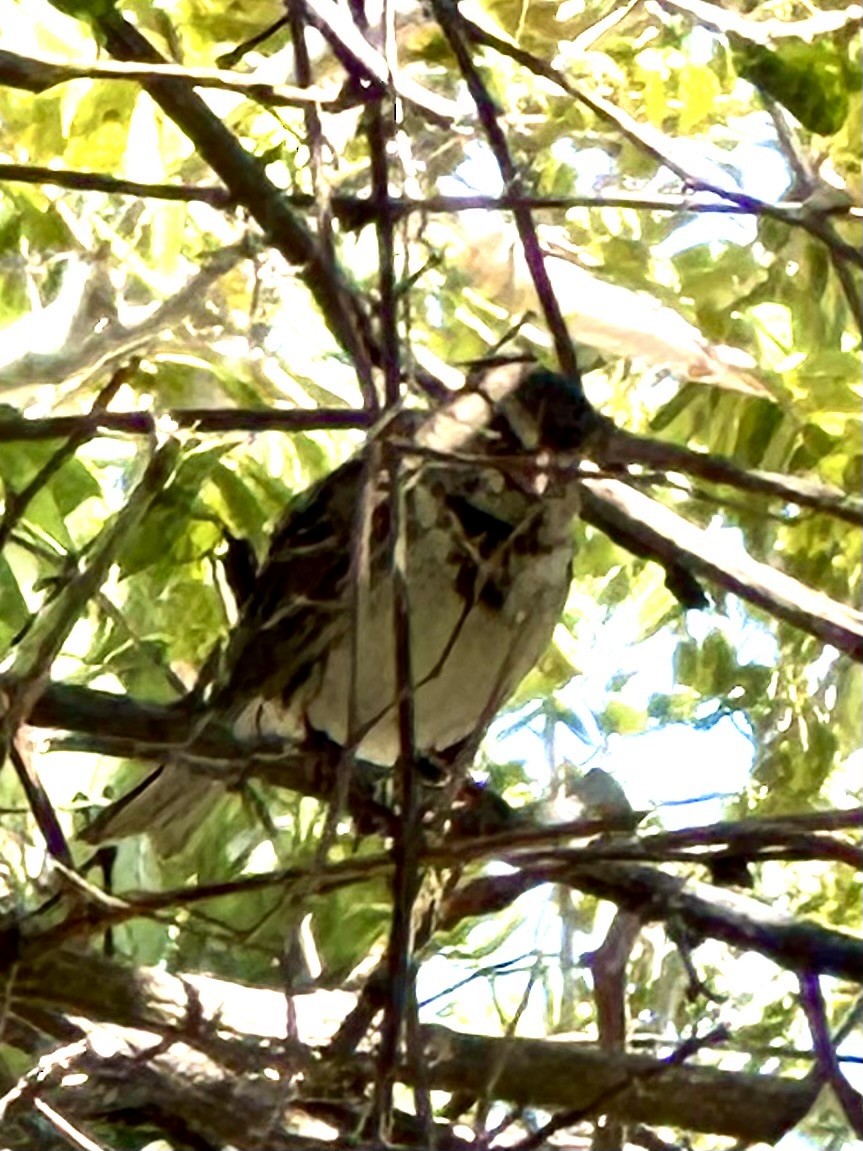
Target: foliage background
[(707, 156)]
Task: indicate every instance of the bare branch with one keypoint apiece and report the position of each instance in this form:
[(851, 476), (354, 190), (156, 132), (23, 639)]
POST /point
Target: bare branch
[(629, 1087), (454, 26), (356, 210), (359, 57), (37, 76), (251, 188), (850, 1100), (621, 447), (203, 1073), (20, 428), (767, 31), (615, 506), (650, 140), (112, 185)]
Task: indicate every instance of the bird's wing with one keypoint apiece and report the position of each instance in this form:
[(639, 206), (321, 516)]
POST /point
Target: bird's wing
[(281, 634), (289, 618)]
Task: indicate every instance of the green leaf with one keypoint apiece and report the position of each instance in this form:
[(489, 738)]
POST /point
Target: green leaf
[(64, 491), (833, 376), (758, 424), (808, 79), (178, 527), (13, 607), (676, 708), (622, 718), (678, 404), (244, 514), (87, 10)]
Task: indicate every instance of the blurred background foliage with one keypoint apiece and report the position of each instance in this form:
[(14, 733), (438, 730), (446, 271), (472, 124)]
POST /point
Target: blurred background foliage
[(728, 99)]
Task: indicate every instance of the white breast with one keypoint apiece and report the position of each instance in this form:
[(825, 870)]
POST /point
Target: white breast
[(467, 658)]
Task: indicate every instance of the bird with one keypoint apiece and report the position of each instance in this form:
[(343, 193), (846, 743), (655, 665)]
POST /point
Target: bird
[(485, 492)]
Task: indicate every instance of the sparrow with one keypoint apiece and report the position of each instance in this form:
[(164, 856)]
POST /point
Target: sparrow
[(483, 491)]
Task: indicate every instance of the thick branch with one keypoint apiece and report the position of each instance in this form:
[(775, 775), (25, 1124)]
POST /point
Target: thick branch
[(634, 518), (622, 447), (539, 1073), (119, 726), (251, 188), (115, 725), (716, 913), (197, 1014)]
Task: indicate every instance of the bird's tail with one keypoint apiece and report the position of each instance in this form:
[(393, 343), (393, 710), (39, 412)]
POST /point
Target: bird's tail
[(168, 805)]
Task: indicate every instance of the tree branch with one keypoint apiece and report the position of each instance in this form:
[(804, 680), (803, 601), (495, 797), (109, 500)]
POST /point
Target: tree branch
[(653, 142), (38, 76), (251, 188), (453, 26), (195, 1014), (667, 537), (619, 447), (355, 211)]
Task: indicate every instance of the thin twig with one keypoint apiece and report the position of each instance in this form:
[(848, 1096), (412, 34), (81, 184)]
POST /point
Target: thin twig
[(17, 502), (113, 185), (361, 60), (650, 140), (36, 652), (38, 76), (849, 1100), (73, 1135), (39, 802), (251, 188), (357, 210), (453, 25), (227, 420), (811, 187), (406, 839), (770, 30)]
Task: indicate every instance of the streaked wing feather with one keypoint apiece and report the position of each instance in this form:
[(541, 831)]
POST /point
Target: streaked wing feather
[(281, 632)]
